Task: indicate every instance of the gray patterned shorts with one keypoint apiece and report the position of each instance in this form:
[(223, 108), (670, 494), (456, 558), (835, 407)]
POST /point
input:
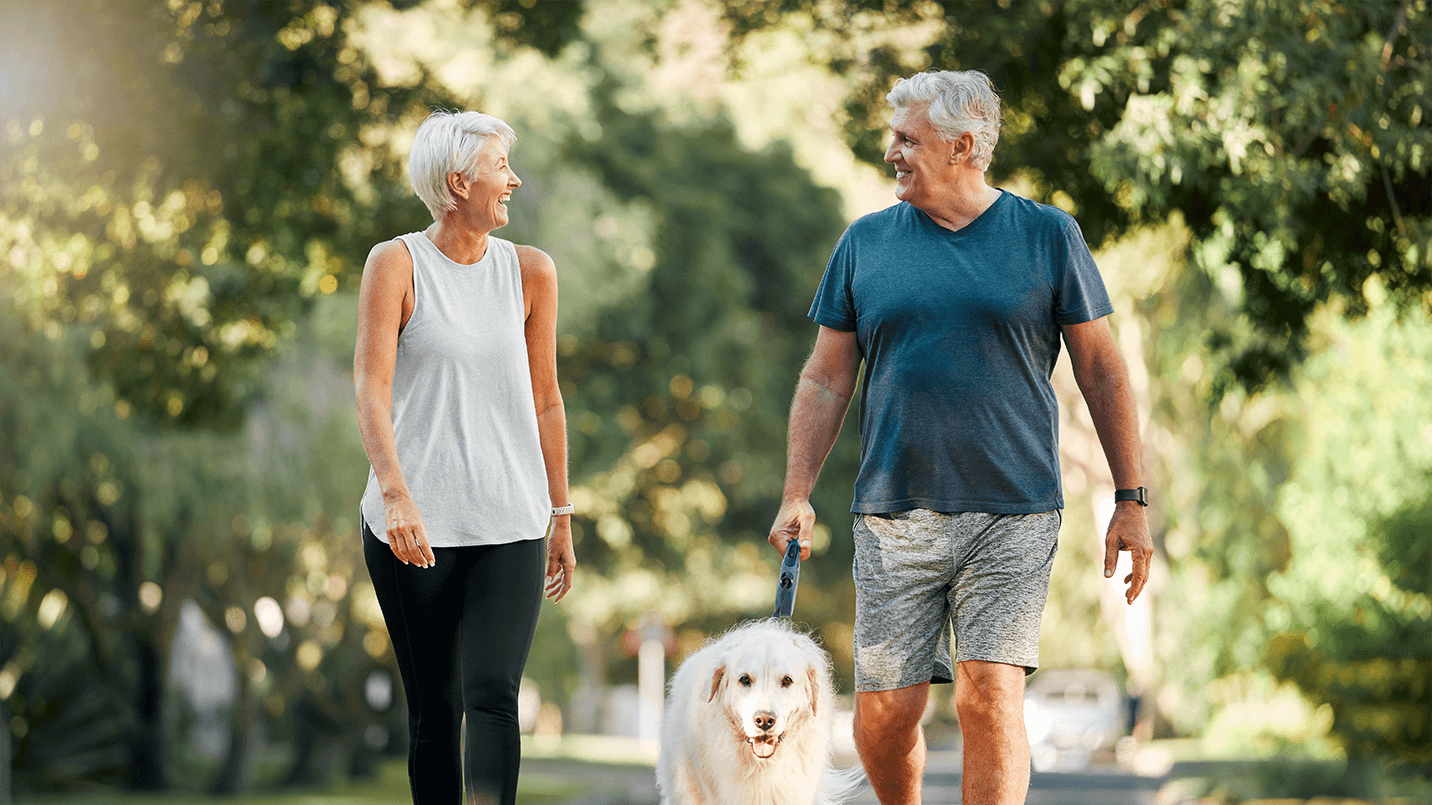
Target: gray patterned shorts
[(919, 572)]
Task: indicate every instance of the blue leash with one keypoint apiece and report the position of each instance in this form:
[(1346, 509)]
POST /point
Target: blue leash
[(789, 580)]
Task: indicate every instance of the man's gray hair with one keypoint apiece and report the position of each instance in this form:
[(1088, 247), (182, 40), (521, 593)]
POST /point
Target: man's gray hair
[(450, 141), (959, 102)]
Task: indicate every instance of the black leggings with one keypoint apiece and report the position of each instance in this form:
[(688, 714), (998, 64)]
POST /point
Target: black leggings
[(461, 631)]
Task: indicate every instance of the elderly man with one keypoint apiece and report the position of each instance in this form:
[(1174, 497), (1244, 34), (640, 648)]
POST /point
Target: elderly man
[(956, 299)]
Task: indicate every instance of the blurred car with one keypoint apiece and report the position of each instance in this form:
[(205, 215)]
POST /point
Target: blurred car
[(1070, 715)]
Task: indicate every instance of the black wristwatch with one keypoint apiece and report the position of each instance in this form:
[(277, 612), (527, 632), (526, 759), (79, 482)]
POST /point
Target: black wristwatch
[(1139, 496)]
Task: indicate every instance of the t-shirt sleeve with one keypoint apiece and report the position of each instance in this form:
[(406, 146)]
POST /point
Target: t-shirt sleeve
[(834, 307), (1080, 295)]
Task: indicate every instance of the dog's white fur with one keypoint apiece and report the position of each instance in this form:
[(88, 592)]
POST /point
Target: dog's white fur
[(748, 722)]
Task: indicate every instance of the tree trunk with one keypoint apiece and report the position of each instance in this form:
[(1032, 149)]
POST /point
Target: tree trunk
[(233, 775), (147, 749), (313, 732), (6, 756)]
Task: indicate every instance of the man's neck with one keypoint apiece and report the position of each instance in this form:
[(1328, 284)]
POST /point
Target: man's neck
[(963, 201)]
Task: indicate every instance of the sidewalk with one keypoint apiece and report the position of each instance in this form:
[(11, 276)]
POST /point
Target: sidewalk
[(608, 770), (601, 783), (615, 771)]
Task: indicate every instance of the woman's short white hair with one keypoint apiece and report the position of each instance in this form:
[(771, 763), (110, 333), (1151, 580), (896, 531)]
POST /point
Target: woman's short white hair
[(450, 141), (959, 102)]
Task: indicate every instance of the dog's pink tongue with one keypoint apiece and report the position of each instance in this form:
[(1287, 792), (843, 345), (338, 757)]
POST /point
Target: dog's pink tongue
[(763, 747)]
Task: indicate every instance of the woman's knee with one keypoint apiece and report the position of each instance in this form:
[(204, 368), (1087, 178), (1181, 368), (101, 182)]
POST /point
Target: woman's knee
[(435, 722), (490, 694)]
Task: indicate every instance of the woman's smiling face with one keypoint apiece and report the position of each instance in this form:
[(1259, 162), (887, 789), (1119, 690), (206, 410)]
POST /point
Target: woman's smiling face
[(491, 185)]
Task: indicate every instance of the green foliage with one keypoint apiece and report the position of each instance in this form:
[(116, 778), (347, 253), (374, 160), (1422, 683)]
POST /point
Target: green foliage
[(181, 179), (56, 525), (1289, 140), (181, 201), (108, 528), (698, 363), (1218, 470), (1297, 528), (1293, 779), (1370, 658), (1292, 137), (1355, 603), (1404, 546), (178, 183), (192, 266), (546, 27)]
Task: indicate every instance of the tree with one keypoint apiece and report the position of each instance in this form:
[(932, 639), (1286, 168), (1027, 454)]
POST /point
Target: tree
[(171, 191), (179, 182), (677, 490), (74, 633), (183, 178), (1290, 136), (1353, 606)]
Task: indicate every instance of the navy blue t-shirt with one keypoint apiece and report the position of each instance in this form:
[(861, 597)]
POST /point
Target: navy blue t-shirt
[(960, 333)]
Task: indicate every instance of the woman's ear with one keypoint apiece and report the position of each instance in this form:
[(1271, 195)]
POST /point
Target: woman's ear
[(457, 184), (716, 678)]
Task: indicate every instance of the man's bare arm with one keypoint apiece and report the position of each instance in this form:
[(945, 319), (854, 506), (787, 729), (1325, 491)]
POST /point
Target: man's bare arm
[(1103, 379), (822, 397)]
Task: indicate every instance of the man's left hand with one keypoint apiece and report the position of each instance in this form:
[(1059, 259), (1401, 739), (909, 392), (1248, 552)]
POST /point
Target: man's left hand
[(1129, 531)]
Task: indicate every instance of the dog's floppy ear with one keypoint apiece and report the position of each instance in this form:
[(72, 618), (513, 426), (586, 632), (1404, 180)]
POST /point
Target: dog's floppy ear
[(814, 679), (716, 682)]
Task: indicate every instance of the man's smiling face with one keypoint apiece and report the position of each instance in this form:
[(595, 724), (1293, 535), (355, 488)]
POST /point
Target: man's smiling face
[(921, 156)]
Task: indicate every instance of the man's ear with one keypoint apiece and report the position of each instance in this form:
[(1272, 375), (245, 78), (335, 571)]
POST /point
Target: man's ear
[(458, 184), (716, 682), (962, 148)]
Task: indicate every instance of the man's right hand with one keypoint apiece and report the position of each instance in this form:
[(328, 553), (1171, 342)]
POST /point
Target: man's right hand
[(406, 535), (795, 520)]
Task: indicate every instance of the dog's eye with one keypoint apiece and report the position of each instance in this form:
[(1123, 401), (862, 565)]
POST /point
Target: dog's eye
[(787, 682), (745, 680)]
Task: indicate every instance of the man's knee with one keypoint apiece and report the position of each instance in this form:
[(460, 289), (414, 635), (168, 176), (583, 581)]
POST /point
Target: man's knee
[(890, 712), (989, 691)]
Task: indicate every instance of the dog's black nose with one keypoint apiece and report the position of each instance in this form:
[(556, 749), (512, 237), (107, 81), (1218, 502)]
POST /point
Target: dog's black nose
[(765, 719)]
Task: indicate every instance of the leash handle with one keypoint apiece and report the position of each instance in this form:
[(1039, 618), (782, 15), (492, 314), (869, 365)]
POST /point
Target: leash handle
[(789, 580)]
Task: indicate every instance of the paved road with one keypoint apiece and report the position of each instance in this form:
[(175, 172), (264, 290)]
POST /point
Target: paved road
[(1091, 787), (635, 786)]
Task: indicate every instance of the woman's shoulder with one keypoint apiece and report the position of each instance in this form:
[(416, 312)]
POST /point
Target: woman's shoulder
[(533, 260), (391, 255)]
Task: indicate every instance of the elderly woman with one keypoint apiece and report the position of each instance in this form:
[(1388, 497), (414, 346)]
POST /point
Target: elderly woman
[(458, 407)]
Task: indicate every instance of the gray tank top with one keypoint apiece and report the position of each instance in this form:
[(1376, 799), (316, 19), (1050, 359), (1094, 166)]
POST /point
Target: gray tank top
[(463, 412)]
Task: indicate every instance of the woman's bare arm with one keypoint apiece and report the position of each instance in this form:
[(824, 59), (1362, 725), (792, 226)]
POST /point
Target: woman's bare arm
[(385, 301), (539, 295)]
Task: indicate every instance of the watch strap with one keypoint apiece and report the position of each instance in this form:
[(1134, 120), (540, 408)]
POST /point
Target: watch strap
[(1139, 495), (567, 509)]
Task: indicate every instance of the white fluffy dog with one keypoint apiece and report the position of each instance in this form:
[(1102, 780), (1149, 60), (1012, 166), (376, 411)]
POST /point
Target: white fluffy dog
[(748, 722)]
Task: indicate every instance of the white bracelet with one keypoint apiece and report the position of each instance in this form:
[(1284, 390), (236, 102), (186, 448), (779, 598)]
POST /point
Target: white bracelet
[(567, 509)]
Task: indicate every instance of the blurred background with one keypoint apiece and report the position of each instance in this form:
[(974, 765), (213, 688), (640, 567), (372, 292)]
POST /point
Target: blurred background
[(188, 191)]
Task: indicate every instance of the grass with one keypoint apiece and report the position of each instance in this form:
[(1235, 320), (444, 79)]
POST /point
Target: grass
[(553, 773), (539, 786)]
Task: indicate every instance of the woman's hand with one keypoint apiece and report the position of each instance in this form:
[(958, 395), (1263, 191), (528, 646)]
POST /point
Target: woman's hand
[(406, 535), (561, 558)]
